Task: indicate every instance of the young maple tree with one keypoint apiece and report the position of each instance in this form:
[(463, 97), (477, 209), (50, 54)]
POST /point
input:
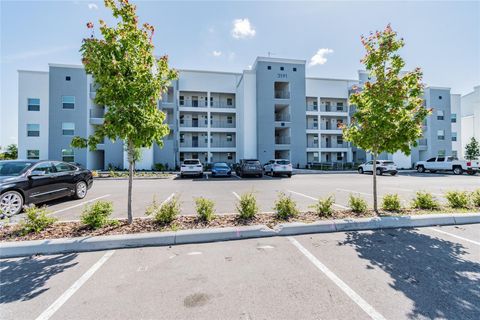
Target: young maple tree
[(472, 149), (130, 81), (389, 109)]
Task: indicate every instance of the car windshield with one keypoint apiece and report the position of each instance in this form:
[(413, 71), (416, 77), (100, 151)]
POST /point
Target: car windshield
[(220, 165), (284, 162), (388, 162), (13, 168), (191, 162), (252, 162)]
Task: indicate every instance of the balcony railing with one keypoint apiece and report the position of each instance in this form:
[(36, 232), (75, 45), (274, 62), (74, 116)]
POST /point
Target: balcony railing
[(422, 142), (312, 144), (193, 104), (312, 107), (223, 144), (191, 144), (217, 104), (327, 108), (282, 117), (328, 126), (282, 94), (193, 124), (222, 124), (335, 145), (282, 140), (312, 125)]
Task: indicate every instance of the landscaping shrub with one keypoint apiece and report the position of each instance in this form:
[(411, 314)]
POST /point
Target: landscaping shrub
[(285, 207), (391, 202), (358, 204), (425, 200), (205, 209), (476, 198), (457, 199), (324, 206), (158, 167), (36, 220), (247, 206), (164, 213), (98, 215)]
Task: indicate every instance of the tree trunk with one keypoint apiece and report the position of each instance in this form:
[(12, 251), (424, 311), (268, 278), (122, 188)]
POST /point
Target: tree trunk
[(375, 207), (130, 151)]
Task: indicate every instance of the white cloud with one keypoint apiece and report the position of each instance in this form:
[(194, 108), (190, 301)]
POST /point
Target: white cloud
[(216, 53), (242, 29), (320, 57), (92, 6)]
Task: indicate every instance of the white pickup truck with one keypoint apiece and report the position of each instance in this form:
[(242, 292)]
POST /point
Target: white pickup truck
[(448, 164)]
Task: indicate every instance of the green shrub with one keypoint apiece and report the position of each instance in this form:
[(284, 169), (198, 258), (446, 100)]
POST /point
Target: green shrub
[(247, 206), (158, 167), (98, 215), (285, 207), (391, 202), (476, 198), (425, 200), (164, 213), (205, 209), (36, 220), (324, 206), (457, 199), (358, 204)]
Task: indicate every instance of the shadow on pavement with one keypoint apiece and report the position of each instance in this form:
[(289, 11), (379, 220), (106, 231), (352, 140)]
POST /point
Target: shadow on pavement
[(431, 272), (25, 278)]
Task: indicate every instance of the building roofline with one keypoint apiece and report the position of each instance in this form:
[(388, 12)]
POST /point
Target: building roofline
[(438, 88), (277, 60), (31, 71), (209, 71), (62, 65), (335, 79)]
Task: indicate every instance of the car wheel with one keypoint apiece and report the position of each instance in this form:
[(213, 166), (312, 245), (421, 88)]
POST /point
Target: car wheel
[(457, 170), (472, 173), (379, 172), (80, 190), (289, 175), (360, 170), (181, 176), (11, 203), (393, 173), (420, 169)]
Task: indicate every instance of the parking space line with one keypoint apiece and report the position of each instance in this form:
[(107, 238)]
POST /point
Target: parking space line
[(80, 204), (353, 191), (374, 314), (168, 199), (50, 311), (236, 195), (455, 236), (307, 196)]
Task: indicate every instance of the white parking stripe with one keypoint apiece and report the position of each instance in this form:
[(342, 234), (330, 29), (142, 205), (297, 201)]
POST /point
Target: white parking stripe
[(374, 314), (307, 196), (168, 199), (81, 204), (353, 191), (48, 313), (236, 195), (455, 236)]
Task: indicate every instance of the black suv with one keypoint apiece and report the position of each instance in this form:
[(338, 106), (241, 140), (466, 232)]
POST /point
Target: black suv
[(249, 167)]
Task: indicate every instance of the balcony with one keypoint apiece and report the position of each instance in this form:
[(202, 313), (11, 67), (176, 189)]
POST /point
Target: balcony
[(222, 124), (312, 144), (193, 144), (282, 140), (224, 105), (97, 116), (193, 124), (223, 144), (192, 104), (282, 94), (282, 117), (312, 107), (329, 108), (312, 125), (334, 145)]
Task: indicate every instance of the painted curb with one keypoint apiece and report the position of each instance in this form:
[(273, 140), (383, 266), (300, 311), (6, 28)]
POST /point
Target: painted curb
[(84, 244)]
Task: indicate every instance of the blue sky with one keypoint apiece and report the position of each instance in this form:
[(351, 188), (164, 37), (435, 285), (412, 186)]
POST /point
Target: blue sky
[(443, 38)]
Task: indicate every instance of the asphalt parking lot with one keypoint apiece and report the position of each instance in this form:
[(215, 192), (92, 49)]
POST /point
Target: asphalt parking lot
[(304, 188), (421, 273)]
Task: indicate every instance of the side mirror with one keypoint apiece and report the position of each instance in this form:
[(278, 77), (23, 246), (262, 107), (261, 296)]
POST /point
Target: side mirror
[(37, 173)]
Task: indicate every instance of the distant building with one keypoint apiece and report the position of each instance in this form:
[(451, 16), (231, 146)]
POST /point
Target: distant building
[(470, 117)]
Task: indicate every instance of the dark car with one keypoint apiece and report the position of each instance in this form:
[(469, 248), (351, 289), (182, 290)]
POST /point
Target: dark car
[(28, 182), (221, 169), (249, 167)]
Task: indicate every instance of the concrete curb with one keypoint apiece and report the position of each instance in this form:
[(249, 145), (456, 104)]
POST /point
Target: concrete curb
[(84, 244)]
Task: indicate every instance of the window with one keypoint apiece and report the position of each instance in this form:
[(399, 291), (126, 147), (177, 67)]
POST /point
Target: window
[(229, 156), (339, 139), (282, 90), (46, 168), (339, 156), (182, 157), (441, 134), (182, 138), (294, 69), (454, 136), (194, 101), (431, 160), (211, 101), (229, 101), (229, 119), (63, 167), (454, 154), (229, 138), (182, 100), (68, 128), (68, 102), (68, 155), (33, 154), (33, 130), (449, 159), (269, 67), (194, 155), (67, 78), (439, 97), (454, 118), (441, 155), (339, 106), (182, 119), (440, 115), (33, 104), (281, 68)]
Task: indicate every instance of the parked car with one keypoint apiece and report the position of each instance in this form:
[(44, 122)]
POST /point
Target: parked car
[(28, 182), (448, 164), (221, 169), (191, 167), (383, 166), (249, 167), (278, 167)]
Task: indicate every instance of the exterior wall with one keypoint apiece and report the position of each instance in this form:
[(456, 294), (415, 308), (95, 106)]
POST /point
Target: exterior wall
[(456, 126), (470, 117), (33, 84), (58, 87), (247, 115)]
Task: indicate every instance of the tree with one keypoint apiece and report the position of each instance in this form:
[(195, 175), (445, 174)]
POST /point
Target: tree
[(389, 109), (11, 152), (472, 149), (130, 81)]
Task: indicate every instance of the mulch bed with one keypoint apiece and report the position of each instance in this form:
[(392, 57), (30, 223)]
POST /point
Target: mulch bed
[(139, 225)]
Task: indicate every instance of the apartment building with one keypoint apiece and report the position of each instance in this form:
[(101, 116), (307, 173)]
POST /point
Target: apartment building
[(269, 111), (470, 117)]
